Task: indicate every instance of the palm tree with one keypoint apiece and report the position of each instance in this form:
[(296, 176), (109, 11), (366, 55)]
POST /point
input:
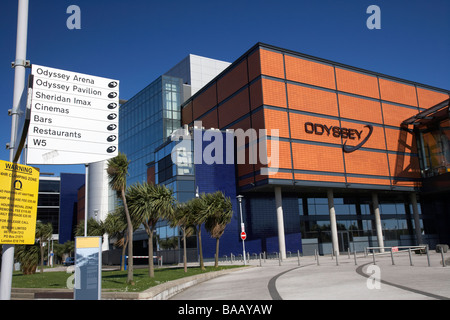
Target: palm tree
[(196, 209), (116, 226), (95, 228), (43, 234), (117, 173), (28, 256), (218, 210), (183, 219), (149, 203)]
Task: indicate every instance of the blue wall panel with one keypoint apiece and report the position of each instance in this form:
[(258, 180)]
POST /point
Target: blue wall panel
[(68, 198)]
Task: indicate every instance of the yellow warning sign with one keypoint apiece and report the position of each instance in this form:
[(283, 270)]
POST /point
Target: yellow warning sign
[(19, 186)]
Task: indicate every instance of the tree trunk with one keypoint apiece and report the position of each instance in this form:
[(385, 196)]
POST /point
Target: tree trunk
[(130, 239), (202, 266), (124, 248), (216, 262), (42, 255), (184, 250), (151, 267)]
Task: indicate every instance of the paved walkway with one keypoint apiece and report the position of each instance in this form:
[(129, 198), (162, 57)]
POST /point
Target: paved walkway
[(329, 281)]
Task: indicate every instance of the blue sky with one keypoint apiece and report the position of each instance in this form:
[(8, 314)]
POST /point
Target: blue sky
[(135, 41)]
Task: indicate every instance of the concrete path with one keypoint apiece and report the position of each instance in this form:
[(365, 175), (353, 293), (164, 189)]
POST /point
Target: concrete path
[(329, 281)]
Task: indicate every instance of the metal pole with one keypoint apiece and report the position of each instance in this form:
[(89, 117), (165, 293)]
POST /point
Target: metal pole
[(442, 256), (354, 255), (392, 257), (428, 256), (298, 256), (410, 258), (19, 86), (280, 223), (376, 210), (242, 226), (333, 225), (86, 195)]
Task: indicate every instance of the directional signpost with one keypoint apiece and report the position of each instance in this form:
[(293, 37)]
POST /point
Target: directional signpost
[(74, 117)]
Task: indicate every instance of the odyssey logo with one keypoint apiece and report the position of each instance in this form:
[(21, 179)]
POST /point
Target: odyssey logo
[(339, 132)]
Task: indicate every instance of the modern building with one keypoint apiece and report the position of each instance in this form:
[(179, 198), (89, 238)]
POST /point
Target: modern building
[(349, 172), (58, 203), (148, 118), (336, 157)]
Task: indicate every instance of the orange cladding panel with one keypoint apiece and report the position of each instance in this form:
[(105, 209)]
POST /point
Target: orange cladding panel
[(234, 108), (357, 83), (256, 96), (398, 92), (400, 141), (254, 65), (306, 71), (205, 101), (312, 100), (210, 120), (275, 119), (186, 114), (231, 82), (317, 158), (272, 64), (319, 177), (429, 98), (274, 93), (404, 166), (360, 109), (301, 128), (278, 155), (394, 115), (367, 162), (375, 141)]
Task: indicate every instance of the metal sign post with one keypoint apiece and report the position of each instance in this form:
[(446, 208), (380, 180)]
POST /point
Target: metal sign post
[(19, 85), (243, 234)]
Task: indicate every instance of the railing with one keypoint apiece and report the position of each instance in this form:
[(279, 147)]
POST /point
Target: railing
[(400, 250)]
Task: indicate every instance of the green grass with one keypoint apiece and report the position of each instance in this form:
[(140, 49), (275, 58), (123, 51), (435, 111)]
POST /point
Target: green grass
[(113, 280)]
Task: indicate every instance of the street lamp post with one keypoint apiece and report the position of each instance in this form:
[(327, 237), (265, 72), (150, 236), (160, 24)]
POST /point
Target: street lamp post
[(239, 197)]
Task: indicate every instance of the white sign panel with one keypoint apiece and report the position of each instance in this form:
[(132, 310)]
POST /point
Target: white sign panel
[(74, 117)]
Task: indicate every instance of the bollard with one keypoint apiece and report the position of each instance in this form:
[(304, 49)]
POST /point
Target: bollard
[(442, 256), (373, 255), (260, 262), (428, 256), (279, 259), (337, 260), (348, 250), (354, 254), (298, 257), (410, 257), (317, 255), (392, 257)]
